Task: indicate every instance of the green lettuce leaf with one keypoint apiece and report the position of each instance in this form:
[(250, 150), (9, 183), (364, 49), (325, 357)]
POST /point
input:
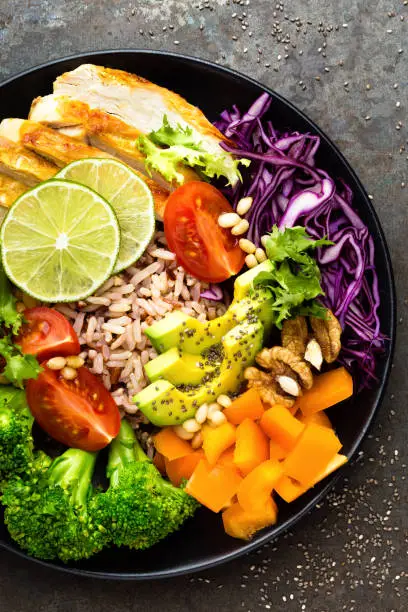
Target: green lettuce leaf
[(294, 278), (168, 147), (9, 316), (18, 367)]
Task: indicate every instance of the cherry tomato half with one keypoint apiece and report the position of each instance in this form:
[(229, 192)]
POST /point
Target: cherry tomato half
[(47, 333), (202, 247), (80, 413)]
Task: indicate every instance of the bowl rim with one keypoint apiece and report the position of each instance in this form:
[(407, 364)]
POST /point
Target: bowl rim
[(246, 548)]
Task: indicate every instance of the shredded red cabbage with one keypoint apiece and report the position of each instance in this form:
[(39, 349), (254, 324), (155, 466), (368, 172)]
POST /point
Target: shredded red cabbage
[(214, 293), (287, 190)]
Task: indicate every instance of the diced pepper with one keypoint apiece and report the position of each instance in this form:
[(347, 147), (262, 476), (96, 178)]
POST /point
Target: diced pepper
[(251, 448), (239, 523), (282, 427), (256, 488), (328, 389), (319, 418), (289, 489), (182, 468), (276, 451), (170, 445), (159, 462), (246, 406), (217, 440), (316, 446), (213, 486)]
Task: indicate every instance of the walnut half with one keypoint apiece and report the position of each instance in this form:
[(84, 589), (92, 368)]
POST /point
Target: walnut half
[(267, 387), (327, 333), (294, 335)]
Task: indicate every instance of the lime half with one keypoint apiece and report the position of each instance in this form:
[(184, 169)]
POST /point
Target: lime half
[(59, 241), (130, 197)]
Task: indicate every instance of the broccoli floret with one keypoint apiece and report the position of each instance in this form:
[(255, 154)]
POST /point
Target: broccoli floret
[(46, 510), (16, 441), (140, 507)]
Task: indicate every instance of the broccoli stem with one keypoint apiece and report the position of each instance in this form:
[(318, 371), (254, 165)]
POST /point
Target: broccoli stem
[(74, 469), (124, 449)]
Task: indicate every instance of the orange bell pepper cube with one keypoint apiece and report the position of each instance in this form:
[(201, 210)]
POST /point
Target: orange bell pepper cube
[(316, 446), (319, 418), (168, 444), (216, 440), (276, 451), (281, 426), (256, 488), (251, 447), (181, 469), (213, 486), (239, 523), (160, 462), (246, 406), (289, 489), (328, 389)]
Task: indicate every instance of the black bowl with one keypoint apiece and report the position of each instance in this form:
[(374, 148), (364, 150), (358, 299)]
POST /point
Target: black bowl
[(202, 543)]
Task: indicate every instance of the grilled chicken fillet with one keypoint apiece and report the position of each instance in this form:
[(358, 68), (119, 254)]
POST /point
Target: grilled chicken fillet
[(61, 150)]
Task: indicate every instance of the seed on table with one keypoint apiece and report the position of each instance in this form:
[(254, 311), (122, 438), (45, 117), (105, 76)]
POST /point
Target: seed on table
[(56, 363), (244, 205), (69, 373), (240, 228), (217, 418), (182, 433), (197, 440), (201, 414), (75, 361), (191, 426), (247, 246), (224, 401), (260, 255), (228, 220), (251, 261)]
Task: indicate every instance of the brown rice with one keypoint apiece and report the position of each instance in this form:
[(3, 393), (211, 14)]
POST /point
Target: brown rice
[(110, 324)]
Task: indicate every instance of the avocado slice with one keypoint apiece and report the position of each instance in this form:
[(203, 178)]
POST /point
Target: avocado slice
[(243, 282), (193, 336), (179, 368), (164, 404)]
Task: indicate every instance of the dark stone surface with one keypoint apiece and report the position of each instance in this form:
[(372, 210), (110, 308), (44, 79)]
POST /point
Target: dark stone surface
[(351, 552)]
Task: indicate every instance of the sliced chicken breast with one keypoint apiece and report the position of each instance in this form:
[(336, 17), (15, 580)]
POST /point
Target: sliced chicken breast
[(23, 165), (10, 190), (61, 150), (103, 130)]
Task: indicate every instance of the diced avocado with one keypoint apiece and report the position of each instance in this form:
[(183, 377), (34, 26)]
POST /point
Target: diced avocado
[(243, 282), (164, 404), (193, 336), (179, 368)]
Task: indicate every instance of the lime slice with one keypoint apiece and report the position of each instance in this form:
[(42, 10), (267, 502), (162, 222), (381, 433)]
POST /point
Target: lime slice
[(59, 241), (130, 197)]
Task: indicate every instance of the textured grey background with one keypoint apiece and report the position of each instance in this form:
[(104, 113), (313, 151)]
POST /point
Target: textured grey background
[(346, 66)]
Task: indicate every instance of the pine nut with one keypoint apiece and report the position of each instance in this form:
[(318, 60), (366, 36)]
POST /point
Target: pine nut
[(182, 433), (217, 418), (264, 239), (247, 246), (191, 426), (69, 373), (224, 401), (228, 220), (251, 261), (197, 441), (260, 255), (20, 307), (201, 414), (244, 205), (240, 228), (75, 361), (212, 408), (56, 363)]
